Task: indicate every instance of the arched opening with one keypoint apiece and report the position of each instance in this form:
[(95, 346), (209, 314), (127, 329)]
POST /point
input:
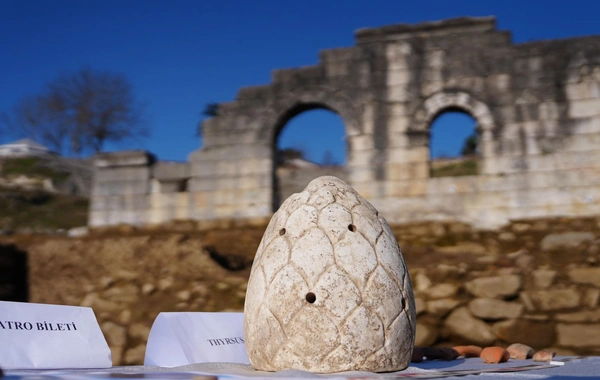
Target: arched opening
[(310, 141), (453, 144)]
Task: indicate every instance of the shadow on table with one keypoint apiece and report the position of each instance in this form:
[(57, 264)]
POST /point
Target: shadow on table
[(438, 364)]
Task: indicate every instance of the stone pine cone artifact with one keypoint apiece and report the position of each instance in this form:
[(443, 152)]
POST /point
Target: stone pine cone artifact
[(329, 290)]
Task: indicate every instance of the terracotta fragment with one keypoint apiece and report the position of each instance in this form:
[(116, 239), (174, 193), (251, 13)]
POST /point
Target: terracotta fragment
[(494, 355), (543, 356), (520, 351), (442, 353), (329, 290), (417, 355), (468, 351)]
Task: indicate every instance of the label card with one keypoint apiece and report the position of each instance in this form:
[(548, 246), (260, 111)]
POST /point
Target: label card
[(50, 337), (178, 339)]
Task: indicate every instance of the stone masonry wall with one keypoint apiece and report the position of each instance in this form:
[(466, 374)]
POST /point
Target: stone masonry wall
[(534, 281), (537, 107)]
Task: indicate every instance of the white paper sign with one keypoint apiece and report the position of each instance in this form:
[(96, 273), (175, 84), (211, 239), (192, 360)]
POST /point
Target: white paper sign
[(185, 338), (50, 337)]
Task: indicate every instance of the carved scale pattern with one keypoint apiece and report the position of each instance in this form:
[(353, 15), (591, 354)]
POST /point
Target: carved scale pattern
[(329, 290)]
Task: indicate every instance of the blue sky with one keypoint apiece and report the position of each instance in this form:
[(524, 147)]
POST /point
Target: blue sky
[(180, 55)]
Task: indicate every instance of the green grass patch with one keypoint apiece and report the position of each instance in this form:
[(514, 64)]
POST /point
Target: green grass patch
[(31, 167), (455, 169), (40, 210)]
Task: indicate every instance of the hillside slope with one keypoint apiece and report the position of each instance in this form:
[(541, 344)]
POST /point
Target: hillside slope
[(43, 194)]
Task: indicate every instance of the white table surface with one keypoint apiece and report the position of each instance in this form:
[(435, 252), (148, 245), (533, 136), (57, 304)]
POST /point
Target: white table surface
[(573, 368)]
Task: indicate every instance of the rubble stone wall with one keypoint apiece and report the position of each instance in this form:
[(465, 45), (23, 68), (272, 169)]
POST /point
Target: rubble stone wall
[(533, 281)]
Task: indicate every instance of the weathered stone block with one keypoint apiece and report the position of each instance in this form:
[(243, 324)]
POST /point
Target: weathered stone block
[(441, 307), (579, 91), (398, 78), (493, 309), (115, 335), (462, 324), (584, 108), (566, 240), (336, 54), (172, 186), (554, 299), (420, 305), (397, 93), (589, 125), (443, 290), (165, 171), (98, 218), (432, 87), (122, 174), (591, 298), (123, 158), (585, 275), (426, 335), (535, 334), (337, 68), (543, 278), (360, 176), (495, 287), (362, 142), (402, 189), (548, 111), (121, 188), (578, 335), (581, 316)]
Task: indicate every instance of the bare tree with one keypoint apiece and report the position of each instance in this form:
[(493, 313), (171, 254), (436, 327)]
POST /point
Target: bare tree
[(34, 117), (329, 159), (81, 112), (469, 147)]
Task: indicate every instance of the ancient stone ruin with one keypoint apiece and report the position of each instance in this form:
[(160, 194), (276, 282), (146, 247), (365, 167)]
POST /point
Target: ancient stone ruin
[(537, 107)]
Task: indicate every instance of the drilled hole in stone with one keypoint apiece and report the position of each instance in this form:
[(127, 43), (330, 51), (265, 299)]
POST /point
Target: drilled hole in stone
[(282, 232), (352, 227), (311, 298)]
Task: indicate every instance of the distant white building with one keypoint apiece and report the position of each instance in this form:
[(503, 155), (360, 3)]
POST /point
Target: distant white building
[(23, 148)]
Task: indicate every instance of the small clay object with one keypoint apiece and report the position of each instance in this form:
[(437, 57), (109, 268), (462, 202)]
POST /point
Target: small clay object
[(442, 353), (417, 355), (520, 351), (543, 356), (494, 355), (468, 351), (329, 290)]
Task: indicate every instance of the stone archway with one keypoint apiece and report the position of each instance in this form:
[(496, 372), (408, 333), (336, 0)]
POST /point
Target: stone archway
[(277, 113), (439, 102), (292, 175)]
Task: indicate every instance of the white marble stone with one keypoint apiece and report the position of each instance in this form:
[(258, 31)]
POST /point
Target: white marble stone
[(329, 290)]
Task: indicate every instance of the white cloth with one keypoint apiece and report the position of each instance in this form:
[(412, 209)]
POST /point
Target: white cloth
[(578, 368)]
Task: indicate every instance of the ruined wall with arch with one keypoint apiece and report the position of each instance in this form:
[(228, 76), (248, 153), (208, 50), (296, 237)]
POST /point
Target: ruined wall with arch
[(537, 107)]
